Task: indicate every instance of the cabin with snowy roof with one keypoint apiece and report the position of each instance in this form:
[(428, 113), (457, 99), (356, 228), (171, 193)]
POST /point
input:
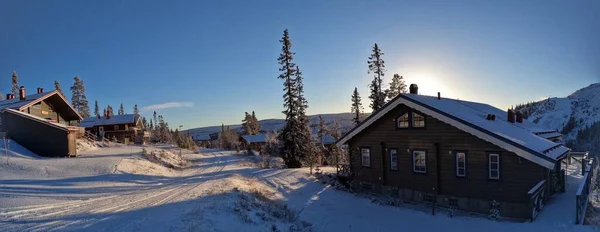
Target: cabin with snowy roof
[(456, 154), (127, 128), (44, 122)]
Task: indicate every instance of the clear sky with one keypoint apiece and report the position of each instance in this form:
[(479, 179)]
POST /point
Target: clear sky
[(202, 63)]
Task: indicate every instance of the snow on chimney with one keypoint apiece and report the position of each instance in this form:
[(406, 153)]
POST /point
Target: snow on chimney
[(511, 116), (22, 93)]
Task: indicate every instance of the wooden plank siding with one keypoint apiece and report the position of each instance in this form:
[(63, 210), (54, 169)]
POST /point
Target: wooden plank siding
[(517, 175)]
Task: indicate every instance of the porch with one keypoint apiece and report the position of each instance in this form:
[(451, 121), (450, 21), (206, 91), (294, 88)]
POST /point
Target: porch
[(568, 208)]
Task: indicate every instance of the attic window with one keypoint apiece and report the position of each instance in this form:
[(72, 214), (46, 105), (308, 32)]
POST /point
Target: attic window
[(418, 120), (403, 121)]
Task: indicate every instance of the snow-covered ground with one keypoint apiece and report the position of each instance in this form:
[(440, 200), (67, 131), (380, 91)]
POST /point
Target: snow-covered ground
[(116, 189)]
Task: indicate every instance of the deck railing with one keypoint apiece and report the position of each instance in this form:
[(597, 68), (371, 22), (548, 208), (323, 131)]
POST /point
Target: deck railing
[(584, 189), (538, 195)]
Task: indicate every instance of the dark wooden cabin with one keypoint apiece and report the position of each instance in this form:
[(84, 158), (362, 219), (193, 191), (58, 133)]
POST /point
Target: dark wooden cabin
[(458, 154), (44, 123), (127, 128)]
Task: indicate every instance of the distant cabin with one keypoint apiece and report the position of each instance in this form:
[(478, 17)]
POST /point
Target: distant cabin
[(44, 122), (457, 154), (127, 128)]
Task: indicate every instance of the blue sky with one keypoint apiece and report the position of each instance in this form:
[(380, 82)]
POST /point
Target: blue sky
[(204, 63)]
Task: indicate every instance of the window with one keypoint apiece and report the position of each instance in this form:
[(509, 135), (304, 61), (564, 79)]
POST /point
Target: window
[(365, 154), (419, 161), (418, 120), (126, 127), (116, 127), (461, 164), (494, 166), (403, 121), (394, 159), (453, 202)]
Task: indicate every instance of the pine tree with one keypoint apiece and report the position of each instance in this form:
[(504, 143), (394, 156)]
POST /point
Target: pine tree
[(356, 107), (121, 110), (397, 86), (323, 131), (136, 111), (109, 111), (96, 109), (377, 67), (306, 142), (78, 98), (151, 125), (58, 88), (246, 124), (15, 83), (155, 121), (289, 135), (255, 123)]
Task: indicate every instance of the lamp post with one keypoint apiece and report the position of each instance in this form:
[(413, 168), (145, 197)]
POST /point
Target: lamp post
[(180, 126)]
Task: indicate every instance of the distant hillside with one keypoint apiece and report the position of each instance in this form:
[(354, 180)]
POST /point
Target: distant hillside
[(344, 119)]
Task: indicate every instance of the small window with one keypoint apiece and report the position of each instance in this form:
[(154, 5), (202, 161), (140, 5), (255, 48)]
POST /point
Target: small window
[(365, 154), (116, 127), (418, 120), (453, 202), (494, 166), (419, 161), (403, 121), (394, 159), (461, 164)]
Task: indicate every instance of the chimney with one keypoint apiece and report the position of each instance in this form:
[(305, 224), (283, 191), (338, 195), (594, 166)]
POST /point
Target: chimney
[(519, 117), (511, 116), (8, 96), (22, 93), (489, 117), (414, 89), (439, 96), (40, 90), (493, 117)]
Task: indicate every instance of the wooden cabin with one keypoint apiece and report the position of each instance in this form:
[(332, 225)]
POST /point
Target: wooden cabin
[(254, 142), (126, 129), (45, 123), (456, 154)]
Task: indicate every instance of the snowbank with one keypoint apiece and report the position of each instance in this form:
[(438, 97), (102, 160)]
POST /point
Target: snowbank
[(140, 165), (85, 145), (165, 158)]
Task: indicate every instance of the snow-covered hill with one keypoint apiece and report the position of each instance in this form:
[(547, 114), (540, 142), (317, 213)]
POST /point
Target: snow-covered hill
[(344, 119), (569, 114)]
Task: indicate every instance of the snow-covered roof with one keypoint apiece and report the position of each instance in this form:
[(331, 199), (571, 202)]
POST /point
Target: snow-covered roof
[(36, 118), (471, 117), (258, 138), (113, 120)]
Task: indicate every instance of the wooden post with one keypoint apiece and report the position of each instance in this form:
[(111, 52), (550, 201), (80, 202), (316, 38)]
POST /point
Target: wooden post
[(434, 200)]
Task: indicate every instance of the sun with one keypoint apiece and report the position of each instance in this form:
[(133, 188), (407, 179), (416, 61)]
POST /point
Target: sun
[(429, 84)]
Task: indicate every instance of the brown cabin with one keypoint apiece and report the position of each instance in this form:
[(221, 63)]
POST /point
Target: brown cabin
[(44, 122), (456, 154), (127, 128)]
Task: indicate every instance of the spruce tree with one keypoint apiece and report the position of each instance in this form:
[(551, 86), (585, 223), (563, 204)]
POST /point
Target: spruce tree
[(377, 67), (78, 98), (247, 124), (255, 123), (96, 109), (121, 110), (305, 140), (397, 86), (58, 88), (109, 111), (356, 106), (323, 131), (155, 121), (15, 83), (151, 125), (289, 135), (136, 111)]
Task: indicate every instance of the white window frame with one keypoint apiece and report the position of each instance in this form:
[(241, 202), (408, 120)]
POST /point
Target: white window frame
[(414, 125), (414, 154), (366, 155), (394, 159), (407, 121), (464, 168), (490, 166)]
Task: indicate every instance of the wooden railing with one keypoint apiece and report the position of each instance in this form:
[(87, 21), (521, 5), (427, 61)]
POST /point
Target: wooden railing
[(584, 189), (538, 195), (343, 170)]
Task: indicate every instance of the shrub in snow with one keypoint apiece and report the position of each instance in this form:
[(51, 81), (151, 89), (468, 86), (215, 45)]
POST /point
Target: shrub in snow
[(495, 211)]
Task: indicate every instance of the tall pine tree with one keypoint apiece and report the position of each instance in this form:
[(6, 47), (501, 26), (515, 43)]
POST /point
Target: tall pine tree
[(109, 111), (58, 88), (397, 86), (78, 98), (307, 149), (96, 109), (121, 110), (291, 143), (377, 67), (255, 123), (15, 83), (356, 106), (247, 124), (323, 131)]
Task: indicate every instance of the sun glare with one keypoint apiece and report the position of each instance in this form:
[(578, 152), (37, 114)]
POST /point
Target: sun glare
[(429, 84)]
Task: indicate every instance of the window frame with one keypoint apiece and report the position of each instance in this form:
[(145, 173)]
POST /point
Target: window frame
[(362, 163), (412, 120), (456, 168), (413, 152), (391, 160), (408, 125), (498, 167)]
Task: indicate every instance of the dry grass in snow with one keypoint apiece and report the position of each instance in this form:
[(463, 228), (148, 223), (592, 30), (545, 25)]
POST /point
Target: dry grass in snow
[(165, 158), (85, 145)]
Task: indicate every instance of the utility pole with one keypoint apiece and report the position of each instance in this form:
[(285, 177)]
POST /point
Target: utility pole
[(180, 126)]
